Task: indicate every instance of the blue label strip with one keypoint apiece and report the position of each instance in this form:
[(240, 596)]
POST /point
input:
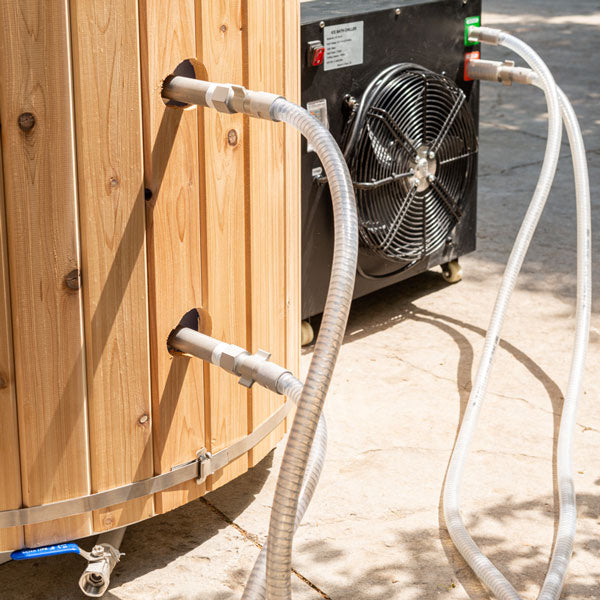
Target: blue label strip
[(27, 553)]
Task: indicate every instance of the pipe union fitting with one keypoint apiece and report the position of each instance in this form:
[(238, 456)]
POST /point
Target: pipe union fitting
[(227, 357), (220, 98), (224, 97), (236, 102), (254, 104), (257, 368)]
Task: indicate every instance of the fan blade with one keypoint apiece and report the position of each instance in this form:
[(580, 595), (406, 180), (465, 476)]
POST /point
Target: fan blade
[(455, 158), (424, 96), (385, 244), (388, 121), (448, 122), (374, 184), (449, 201), (381, 153)]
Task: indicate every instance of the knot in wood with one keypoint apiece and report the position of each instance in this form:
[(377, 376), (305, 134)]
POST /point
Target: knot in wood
[(26, 121), (232, 137), (73, 279)]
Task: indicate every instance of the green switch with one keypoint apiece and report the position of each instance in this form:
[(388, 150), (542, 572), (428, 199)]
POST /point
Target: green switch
[(470, 22)]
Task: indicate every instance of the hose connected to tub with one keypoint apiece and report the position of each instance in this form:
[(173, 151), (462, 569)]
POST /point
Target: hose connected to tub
[(301, 464), (305, 451), (257, 368), (329, 341)]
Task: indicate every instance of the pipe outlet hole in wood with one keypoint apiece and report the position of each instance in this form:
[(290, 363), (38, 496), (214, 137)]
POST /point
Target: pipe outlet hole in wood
[(190, 67), (197, 319)]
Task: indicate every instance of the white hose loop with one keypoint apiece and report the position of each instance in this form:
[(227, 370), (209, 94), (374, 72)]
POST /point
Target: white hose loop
[(565, 535), (481, 565)]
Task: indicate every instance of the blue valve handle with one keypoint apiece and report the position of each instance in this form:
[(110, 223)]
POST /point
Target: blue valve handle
[(27, 553)]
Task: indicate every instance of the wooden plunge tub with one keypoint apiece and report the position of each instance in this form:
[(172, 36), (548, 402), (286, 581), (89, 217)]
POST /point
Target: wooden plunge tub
[(118, 215)]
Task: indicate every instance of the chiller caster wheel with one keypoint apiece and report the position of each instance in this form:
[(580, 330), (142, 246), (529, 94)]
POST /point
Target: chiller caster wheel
[(306, 333), (452, 271)]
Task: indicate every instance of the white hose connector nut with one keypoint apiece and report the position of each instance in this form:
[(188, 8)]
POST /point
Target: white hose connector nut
[(227, 357), (502, 72), (485, 35)]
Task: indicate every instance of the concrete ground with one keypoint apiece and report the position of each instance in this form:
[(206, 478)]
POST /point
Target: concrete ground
[(375, 529)]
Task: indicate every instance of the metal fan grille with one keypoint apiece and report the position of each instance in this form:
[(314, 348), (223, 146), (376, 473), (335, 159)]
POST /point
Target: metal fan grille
[(412, 163)]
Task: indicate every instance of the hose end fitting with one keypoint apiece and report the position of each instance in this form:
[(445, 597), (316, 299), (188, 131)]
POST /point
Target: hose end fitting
[(493, 70), (485, 35), (253, 104), (257, 368)]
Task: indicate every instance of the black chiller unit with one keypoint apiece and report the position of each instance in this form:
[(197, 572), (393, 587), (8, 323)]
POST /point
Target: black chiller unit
[(388, 80)]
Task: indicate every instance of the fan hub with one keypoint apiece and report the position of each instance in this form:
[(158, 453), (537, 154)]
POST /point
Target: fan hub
[(423, 167)]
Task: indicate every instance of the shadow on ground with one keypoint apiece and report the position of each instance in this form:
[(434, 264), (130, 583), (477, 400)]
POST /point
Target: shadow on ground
[(524, 568)]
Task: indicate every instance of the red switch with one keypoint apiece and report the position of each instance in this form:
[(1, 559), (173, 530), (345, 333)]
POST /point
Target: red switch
[(318, 56), (316, 53)]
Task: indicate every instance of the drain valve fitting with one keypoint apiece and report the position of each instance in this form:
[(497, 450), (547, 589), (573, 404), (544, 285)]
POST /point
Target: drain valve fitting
[(101, 561), (96, 577)]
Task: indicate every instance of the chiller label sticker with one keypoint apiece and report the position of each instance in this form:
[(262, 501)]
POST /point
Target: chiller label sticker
[(343, 45)]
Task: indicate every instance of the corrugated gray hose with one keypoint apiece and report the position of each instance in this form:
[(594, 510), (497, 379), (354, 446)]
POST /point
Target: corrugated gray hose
[(329, 340), (256, 587), (296, 484), (565, 534)]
